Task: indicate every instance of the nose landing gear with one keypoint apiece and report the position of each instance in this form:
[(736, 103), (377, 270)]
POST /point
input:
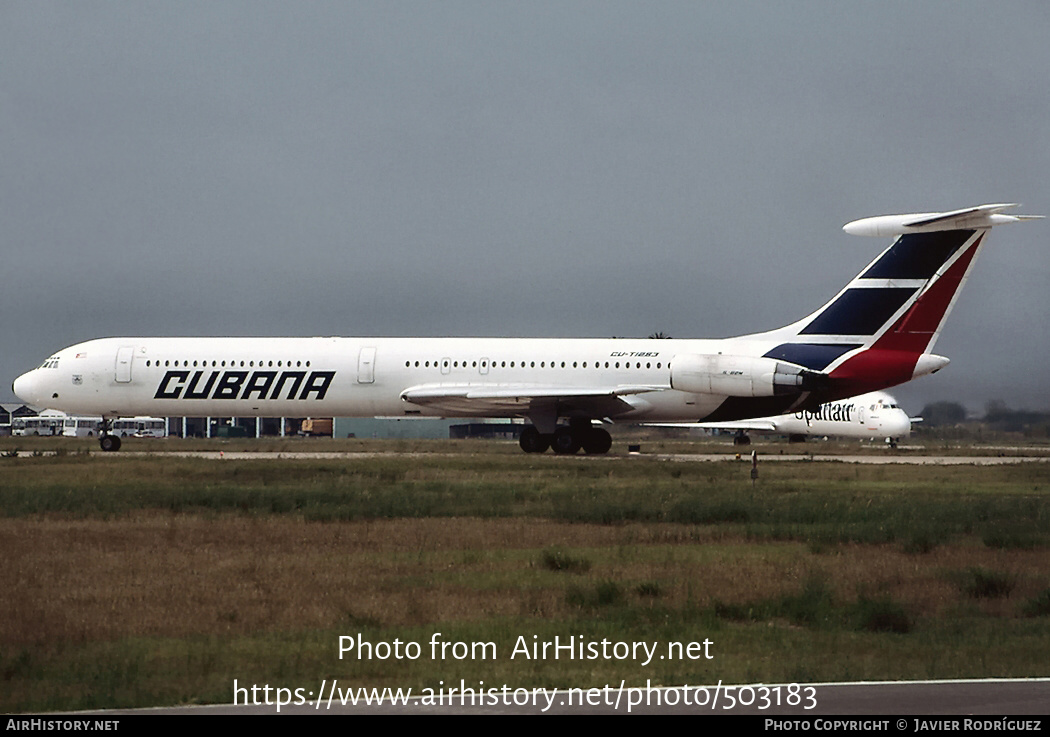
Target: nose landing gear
[(107, 441)]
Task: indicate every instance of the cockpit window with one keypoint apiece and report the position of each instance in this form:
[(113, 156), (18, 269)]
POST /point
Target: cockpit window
[(50, 363)]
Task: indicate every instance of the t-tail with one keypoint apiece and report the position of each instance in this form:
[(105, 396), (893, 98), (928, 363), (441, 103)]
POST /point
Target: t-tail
[(879, 331)]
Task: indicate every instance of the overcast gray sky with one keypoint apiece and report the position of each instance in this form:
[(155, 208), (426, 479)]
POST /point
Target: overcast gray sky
[(514, 169)]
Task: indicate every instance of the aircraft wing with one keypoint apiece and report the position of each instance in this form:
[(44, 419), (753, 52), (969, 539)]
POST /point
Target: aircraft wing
[(753, 425), (472, 399)]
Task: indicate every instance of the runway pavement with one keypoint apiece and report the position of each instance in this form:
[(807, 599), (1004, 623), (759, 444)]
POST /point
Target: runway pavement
[(893, 699), (909, 458)]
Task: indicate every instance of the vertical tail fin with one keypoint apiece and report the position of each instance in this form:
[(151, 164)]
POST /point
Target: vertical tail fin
[(879, 330)]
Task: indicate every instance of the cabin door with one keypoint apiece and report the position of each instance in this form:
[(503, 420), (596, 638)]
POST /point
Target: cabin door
[(366, 365), (125, 354)]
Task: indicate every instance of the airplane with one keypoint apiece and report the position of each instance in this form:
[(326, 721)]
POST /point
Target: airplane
[(872, 415), (876, 332)]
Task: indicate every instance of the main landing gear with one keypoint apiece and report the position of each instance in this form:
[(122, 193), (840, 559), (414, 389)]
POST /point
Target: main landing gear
[(567, 439), (107, 441)]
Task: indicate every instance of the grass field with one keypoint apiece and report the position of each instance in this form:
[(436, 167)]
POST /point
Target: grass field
[(145, 580)]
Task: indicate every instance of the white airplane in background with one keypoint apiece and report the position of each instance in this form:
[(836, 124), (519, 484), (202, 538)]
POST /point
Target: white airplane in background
[(873, 415), (875, 333)]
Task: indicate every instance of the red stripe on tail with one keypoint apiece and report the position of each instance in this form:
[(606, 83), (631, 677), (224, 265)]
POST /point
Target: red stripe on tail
[(891, 359)]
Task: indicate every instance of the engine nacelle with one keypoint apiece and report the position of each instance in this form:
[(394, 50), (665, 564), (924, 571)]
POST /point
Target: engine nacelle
[(738, 376)]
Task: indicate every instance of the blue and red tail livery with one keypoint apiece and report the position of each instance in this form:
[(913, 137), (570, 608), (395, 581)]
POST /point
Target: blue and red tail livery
[(879, 330)]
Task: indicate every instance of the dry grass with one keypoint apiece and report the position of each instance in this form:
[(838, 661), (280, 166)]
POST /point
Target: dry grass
[(177, 575)]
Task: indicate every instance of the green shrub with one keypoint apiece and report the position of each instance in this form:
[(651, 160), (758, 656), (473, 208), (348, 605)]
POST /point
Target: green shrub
[(881, 614), (981, 583), (555, 559)]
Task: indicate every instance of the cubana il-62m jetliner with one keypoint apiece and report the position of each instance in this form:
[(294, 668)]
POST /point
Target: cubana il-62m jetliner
[(875, 333), (873, 415)]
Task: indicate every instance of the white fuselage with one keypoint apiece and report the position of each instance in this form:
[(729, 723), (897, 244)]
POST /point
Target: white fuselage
[(874, 415), (355, 377)]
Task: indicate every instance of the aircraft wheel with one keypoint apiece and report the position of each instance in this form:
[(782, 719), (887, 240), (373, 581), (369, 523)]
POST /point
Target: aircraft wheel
[(109, 443), (741, 440), (565, 441), (531, 441), (596, 441), (796, 438)]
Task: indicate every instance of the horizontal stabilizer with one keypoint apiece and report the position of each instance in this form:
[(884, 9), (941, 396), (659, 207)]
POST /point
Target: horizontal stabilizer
[(970, 218)]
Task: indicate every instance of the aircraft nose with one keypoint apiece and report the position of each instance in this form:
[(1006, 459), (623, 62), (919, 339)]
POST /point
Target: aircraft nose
[(900, 426), (24, 387)]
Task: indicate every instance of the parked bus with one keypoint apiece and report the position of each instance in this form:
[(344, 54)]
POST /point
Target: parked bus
[(55, 424), (36, 426), (139, 427)]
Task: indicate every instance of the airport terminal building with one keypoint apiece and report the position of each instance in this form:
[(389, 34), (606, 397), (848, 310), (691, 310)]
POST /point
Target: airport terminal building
[(257, 427)]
